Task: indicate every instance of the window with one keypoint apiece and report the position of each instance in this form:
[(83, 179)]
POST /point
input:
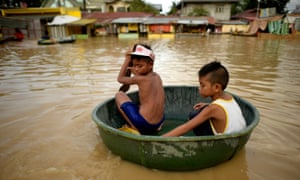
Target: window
[(219, 9), (111, 9), (121, 9)]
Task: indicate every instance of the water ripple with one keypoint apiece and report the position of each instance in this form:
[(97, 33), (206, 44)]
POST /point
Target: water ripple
[(48, 92)]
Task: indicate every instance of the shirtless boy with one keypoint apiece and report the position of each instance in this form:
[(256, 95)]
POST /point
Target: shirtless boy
[(223, 115), (148, 115)]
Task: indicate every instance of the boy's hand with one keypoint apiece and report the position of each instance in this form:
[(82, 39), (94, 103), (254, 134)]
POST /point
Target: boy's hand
[(127, 69), (128, 55), (199, 105), (124, 88), (131, 70)]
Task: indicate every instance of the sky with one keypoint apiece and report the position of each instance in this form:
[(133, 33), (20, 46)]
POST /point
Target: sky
[(291, 5), (166, 4)]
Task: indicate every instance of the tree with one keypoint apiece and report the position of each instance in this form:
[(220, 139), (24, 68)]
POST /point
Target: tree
[(16, 3), (252, 4), (173, 9), (278, 4), (141, 6), (198, 12)]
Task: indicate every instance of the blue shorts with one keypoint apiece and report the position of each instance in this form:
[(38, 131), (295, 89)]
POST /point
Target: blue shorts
[(132, 112)]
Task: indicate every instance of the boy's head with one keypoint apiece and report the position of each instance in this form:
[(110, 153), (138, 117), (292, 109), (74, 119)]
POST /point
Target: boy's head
[(142, 51), (216, 73)]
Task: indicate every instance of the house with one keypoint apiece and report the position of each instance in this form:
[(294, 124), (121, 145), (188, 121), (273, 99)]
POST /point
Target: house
[(104, 21), (93, 5), (117, 5), (293, 19), (193, 26), (64, 26), (129, 27), (161, 27), (64, 3), (218, 9), (123, 6), (266, 20), (32, 21), (96, 5)]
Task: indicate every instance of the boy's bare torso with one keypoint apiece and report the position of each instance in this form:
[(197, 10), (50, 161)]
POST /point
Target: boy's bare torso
[(152, 97)]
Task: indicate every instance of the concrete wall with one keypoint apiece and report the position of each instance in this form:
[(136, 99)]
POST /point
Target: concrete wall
[(220, 11)]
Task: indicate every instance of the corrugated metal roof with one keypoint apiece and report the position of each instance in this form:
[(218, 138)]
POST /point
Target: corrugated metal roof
[(161, 20), (63, 19), (249, 14), (114, 15), (187, 21), (13, 22), (140, 17), (104, 21), (108, 17), (82, 22), (238, 22), (128, 20)]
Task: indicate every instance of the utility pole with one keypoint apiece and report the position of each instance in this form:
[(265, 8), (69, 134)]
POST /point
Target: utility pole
[(257, 11), (181, 8), (84, 5)]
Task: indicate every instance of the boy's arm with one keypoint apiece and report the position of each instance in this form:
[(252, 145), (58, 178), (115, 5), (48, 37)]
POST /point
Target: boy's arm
[(124, 74), (199, 105), (178, 131), (191, 124)]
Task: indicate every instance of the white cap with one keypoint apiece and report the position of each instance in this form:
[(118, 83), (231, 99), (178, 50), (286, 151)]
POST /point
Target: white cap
[(142, 51)]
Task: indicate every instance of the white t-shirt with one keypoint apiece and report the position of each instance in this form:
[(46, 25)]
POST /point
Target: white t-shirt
[(235, 120)]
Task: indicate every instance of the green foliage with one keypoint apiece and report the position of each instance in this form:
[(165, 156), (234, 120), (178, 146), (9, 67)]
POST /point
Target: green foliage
[(141, 6), (252, 4), (199, 12), (16, 3), (173, 9), (279, 4), (235, 9)]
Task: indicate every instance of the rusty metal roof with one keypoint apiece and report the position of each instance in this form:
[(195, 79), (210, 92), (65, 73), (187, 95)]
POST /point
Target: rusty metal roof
[(129, 20), (161, 20), (193, 20), (108, 17), (233, 22), (113, 15), (13, 22), (145, 18)]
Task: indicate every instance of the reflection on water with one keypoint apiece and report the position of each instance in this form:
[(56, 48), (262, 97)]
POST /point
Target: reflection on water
[(48, 92)]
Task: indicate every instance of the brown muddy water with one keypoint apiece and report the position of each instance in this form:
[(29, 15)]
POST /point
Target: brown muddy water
[(48, 93)]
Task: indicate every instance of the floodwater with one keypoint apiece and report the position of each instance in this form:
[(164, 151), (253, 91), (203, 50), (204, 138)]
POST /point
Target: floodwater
[(47, 94)]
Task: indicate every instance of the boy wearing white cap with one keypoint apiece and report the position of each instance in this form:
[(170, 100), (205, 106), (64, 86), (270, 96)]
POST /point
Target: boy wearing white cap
[(147, 116)]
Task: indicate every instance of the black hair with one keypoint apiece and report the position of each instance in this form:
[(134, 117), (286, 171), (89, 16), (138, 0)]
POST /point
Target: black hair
[(218, 73)]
